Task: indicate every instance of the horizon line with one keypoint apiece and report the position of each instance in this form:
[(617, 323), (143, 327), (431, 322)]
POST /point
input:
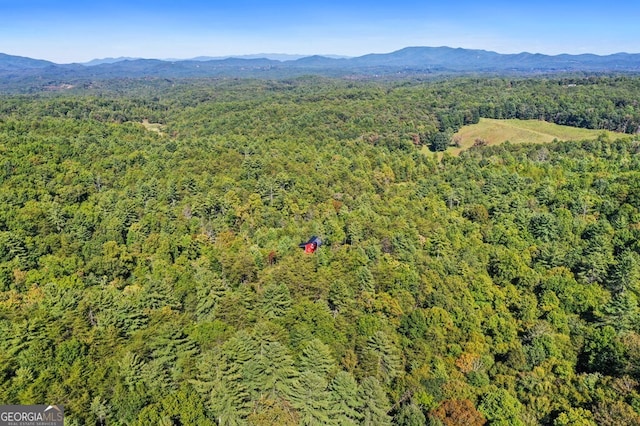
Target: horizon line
[(296, 56)]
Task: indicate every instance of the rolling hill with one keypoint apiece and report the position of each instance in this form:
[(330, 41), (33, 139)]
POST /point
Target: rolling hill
[(16, 71), (495, 132)]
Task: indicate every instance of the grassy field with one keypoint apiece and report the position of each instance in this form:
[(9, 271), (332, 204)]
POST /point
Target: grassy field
[(154, 127), (520, 131)]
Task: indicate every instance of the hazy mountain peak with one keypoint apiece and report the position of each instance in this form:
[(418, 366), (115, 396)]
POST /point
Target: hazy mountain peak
[(94, 62)]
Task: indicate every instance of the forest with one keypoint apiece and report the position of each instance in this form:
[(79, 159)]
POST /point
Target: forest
[(150, 270)]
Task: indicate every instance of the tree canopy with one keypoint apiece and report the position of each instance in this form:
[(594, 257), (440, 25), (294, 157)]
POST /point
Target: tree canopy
[(152, 275)]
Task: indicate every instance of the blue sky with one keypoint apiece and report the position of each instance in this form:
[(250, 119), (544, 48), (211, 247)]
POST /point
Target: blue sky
[(78, 31)]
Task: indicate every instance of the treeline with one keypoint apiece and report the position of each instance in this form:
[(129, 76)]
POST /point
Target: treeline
[(154, 277), (411, 110)]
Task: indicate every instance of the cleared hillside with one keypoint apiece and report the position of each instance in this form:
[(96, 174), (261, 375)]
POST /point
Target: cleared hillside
[(521, 131)]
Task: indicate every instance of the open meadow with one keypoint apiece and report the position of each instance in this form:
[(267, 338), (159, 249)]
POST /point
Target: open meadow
[(496, 131)]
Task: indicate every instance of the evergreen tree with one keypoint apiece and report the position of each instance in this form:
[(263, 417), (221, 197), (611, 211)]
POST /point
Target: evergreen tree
[(410, 415), (345, 399), (388, 363), (624, 275), (316, 358), (311, 398), (271, 372), (276, 300), (375, 404), (621, 312), (222, 379)]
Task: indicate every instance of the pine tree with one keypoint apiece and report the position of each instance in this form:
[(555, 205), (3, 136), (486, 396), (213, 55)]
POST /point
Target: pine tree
[(410, 415), (271, 371), (375, 404), (311, 399), (317, 358), (230, 400), (387, 359), (173, 351), (340, 296), (129, 369), (210, 289), (276, 300), (622, 311), (100, 409), (345, 399), (365, 279), (221, 378), (625, 274)]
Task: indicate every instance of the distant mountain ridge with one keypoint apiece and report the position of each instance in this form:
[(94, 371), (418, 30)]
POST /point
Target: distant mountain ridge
[(16, 70), (101, 61), (282, 57), (10, 62)]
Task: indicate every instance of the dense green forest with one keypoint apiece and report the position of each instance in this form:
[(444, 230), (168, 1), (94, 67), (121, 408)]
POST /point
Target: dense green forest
[(154, 277)]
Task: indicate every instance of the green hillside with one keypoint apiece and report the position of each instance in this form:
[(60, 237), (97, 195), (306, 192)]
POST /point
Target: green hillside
[(494, 131), (150, 269)]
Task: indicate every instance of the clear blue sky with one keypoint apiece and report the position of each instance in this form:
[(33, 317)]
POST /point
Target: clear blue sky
[(78, 31)]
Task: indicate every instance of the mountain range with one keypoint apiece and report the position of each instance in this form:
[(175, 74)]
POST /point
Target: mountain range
[(17, 70)]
